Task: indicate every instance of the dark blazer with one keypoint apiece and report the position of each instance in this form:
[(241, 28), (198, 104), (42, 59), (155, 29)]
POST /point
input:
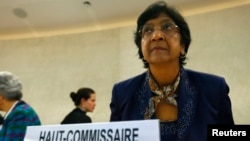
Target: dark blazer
[(202, 100), (76, 116)]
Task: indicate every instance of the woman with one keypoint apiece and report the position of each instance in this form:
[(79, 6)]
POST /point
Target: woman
[(18, 114), (85, 101), (185, 101)]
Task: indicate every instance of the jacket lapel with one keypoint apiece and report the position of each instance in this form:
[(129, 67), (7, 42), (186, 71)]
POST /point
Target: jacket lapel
[(187, 103)]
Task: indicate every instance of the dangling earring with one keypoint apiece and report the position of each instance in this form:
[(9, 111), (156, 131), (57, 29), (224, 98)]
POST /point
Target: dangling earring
[(182, 56)]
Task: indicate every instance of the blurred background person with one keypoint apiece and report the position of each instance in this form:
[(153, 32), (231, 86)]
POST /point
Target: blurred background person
[(18, 114), (85, 101)]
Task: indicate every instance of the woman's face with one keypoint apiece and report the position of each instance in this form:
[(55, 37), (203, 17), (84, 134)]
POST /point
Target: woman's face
[(89, 104), (161, 41)]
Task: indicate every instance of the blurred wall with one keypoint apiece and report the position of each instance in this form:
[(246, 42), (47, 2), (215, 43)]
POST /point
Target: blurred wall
[(51, 67)]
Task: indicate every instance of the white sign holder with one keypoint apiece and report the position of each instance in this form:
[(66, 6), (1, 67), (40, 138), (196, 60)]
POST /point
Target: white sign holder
[(140, 130)]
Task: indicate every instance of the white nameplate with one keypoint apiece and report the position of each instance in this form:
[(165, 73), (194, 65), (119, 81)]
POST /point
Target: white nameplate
[(141, 130)]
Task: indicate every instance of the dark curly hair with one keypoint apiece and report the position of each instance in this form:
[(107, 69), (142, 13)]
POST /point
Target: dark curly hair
[(155, 10)]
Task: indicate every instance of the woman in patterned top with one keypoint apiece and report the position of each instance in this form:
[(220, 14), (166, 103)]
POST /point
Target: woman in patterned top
[(18, 114)]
